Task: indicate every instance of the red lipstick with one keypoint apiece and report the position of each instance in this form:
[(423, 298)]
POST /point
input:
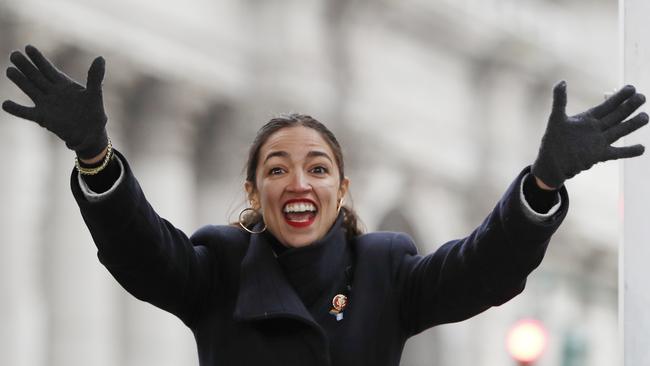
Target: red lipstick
[(300, 213)]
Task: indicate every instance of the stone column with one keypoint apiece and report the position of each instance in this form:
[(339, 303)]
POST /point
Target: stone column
[(23, 187), (22, 152), (221, 149), (159, 147), (80, 295), (634, 297)]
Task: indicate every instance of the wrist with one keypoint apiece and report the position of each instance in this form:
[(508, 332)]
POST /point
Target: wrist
[(92, 169), (96, 159), (543, 185), (92, 147)]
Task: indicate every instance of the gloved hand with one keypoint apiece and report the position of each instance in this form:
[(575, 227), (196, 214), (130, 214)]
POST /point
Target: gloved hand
[(71, 111), (572, 144)]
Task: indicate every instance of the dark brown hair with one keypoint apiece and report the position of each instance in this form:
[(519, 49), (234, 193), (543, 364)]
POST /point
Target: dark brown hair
[(351, 222)]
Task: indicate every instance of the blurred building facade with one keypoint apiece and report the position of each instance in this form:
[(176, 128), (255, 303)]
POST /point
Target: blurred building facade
[(438, 106)]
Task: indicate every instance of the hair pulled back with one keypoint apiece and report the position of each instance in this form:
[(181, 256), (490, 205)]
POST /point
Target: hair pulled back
[(351, 222)]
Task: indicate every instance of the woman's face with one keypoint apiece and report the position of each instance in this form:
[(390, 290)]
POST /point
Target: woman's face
[(298, 186)]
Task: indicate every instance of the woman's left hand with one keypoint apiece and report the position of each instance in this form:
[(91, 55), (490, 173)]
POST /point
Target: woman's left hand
[(572, 144)]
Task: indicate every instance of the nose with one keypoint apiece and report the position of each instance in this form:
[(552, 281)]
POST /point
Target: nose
[(299, 183)]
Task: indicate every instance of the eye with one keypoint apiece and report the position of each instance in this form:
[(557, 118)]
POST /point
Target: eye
[(319, 170), (276, 171)]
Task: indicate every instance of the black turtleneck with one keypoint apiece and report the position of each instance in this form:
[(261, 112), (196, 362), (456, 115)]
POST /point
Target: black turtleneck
[(316, 270)]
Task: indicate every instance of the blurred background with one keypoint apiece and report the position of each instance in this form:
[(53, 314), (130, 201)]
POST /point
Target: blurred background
[(438, 105)]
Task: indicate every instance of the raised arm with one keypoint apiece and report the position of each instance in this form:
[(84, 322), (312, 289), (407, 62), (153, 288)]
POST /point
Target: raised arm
[(487, 268), (152, 259)]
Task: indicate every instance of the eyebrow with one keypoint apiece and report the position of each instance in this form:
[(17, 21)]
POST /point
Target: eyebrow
[(284, 154)]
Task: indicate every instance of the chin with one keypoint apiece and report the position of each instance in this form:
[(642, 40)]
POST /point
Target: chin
[(299, 242), (293, 237)]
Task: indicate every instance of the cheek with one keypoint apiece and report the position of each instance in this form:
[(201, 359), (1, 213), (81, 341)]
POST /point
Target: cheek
[(328, 192), (269, 193)]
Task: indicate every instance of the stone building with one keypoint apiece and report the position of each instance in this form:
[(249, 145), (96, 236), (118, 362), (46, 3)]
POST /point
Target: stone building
[(438, 104)]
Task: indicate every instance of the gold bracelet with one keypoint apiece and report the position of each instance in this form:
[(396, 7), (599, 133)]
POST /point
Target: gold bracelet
[(93, 171)]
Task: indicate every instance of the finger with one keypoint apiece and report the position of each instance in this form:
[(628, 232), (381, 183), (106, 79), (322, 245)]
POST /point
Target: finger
[(612, 102), (622, 111), (626, 127), (29, 70), (20, 111), (43, 64), (625, 152), (559, 98), (24, 84), (96, 74)]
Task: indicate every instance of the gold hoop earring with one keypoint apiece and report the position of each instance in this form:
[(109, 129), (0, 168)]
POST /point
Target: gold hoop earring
[(244, 226), (338, 207)]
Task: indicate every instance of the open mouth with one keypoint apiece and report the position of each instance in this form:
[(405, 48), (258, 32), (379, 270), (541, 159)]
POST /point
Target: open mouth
[(299, 213)]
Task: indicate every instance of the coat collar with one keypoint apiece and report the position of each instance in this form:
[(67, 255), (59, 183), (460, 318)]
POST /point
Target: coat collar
[(315, 269), (264, 291)]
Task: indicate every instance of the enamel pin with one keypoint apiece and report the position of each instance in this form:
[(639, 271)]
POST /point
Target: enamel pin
[(339, 302)]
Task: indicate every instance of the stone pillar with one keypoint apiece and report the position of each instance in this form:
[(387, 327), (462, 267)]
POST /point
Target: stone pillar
[(22, 152), (221, 150), (80, 295), (634, 296), (23, 187), (159, 147)]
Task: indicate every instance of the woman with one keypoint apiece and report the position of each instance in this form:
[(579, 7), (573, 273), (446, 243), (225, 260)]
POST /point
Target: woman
[(296, 282)]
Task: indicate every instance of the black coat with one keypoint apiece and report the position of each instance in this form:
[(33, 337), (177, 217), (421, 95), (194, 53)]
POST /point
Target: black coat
[(247, 307)]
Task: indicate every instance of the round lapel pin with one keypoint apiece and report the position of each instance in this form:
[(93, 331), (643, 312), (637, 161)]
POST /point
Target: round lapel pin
[(339, 302)]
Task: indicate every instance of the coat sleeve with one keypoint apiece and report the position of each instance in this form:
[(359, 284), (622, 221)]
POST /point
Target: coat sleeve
[(149, 257), (467, 276)]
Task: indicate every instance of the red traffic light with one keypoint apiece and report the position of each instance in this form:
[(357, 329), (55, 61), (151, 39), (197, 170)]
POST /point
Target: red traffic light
[(526, 340)]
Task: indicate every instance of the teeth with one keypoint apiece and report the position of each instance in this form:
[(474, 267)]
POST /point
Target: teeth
[(299, 207)]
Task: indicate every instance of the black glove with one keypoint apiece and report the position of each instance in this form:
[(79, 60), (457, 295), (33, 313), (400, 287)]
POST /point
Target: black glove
[(573, 144), (71, 111)]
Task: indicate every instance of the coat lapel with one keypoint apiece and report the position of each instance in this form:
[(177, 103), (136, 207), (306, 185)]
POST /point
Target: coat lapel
[(264, 291)]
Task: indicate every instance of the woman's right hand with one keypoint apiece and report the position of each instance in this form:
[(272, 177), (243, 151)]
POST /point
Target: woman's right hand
[(71, 111)]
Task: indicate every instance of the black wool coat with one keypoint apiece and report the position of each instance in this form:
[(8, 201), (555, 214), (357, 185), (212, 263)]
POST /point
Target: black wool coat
[(246, 306)]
